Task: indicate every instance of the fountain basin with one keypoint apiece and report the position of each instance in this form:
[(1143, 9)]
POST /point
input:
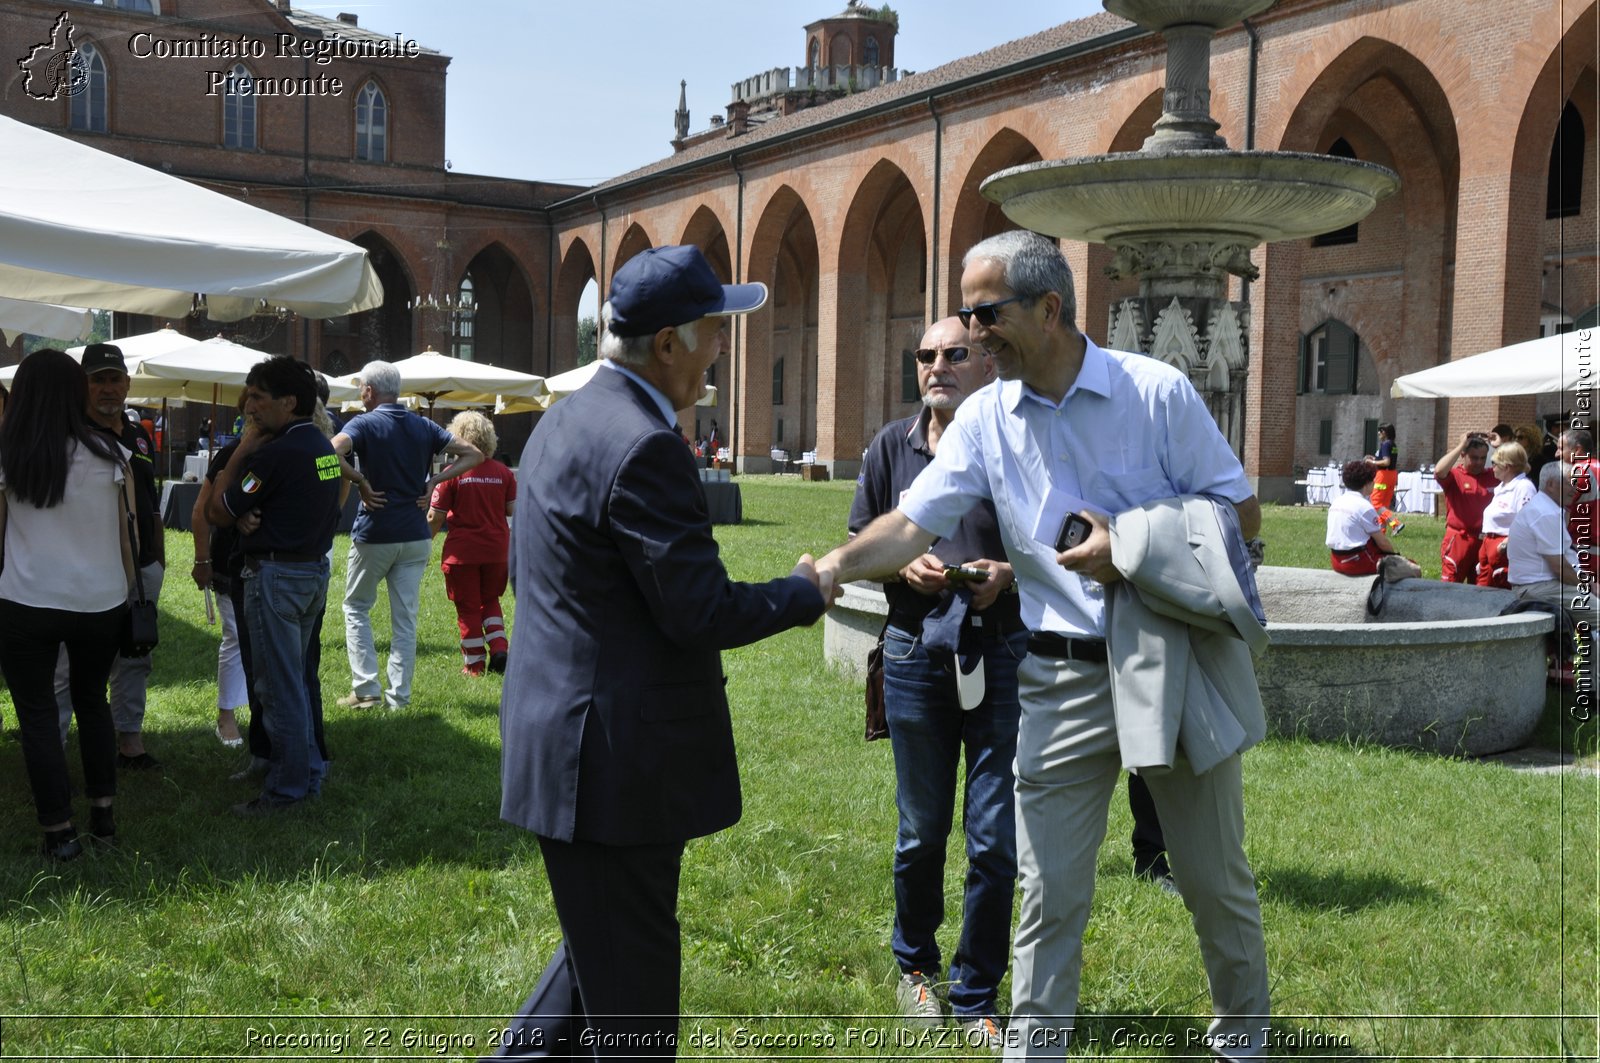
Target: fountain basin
[(1240, 197), (1446, 675)]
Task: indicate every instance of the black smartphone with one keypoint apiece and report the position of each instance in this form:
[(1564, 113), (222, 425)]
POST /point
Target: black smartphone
[(963, 574), (1074, 530)]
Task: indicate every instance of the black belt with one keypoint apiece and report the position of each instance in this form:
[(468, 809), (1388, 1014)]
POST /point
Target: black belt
[(1050, 644), (1347, 553), (998, 629), (253, 561)]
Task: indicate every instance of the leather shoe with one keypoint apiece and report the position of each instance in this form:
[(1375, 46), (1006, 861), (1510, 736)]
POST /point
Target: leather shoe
[(138, 762), (261, 807)]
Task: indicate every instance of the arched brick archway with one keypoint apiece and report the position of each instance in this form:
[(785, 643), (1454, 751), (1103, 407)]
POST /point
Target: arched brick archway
[(634, 240), (881, 309), (705, 231), (385, 332), (1098, 293), (976, 218), (577, 270), (499, 329), (783, 255), (1388, 106)]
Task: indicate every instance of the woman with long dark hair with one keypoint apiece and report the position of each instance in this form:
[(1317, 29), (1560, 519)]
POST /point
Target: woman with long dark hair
[(68, 562)]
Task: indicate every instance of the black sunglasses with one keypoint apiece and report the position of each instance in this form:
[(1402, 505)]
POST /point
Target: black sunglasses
[(953, 355), (986, 313)]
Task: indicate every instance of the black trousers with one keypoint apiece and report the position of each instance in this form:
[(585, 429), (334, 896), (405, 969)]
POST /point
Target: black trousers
[(1149, 844), (611, 989), (30, 644)]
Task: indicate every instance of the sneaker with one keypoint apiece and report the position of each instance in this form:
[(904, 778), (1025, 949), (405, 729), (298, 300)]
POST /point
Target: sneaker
[(474, 670), (138, 762), (918, 1002), (984, 1033), (1396, 528), (358, 701)]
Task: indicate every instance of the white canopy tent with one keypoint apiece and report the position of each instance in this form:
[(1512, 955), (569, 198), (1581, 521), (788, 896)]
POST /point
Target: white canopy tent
[(19, 316), (438, 379), (563, 384), (135, 349), (1562, 362), (83, 227), (212, 371)]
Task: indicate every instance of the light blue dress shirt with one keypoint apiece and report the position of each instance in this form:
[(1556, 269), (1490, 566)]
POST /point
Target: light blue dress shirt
[(1130, 430)]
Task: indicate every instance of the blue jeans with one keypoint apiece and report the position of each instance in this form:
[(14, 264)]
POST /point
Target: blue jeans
[(928, 730), (283, 601)]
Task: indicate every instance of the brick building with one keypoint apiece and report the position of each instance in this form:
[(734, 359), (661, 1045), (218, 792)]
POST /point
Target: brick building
[(854, 194)]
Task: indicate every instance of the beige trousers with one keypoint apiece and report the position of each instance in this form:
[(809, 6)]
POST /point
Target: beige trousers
[(1067, 767)]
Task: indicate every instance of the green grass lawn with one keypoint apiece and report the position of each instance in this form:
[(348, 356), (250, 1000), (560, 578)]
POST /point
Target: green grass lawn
[(1415, 906)]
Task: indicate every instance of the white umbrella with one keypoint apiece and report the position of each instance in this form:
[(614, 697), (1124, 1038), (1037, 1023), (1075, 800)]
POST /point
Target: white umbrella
[(19, 316), (456, 382), (213, 370), (1533, 367), (83, 227), (563, 384), (135, 349)]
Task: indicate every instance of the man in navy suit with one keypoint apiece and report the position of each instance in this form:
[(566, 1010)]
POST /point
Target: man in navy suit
[(617, 742)]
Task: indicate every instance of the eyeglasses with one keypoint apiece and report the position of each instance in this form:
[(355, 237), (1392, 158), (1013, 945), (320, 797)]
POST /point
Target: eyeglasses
[(953, 355), (986, 313)]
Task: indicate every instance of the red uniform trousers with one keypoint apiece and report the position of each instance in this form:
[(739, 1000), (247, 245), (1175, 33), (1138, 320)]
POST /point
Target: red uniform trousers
[(1458, 556), (476, 591), (1362, 562), (1491, 566)]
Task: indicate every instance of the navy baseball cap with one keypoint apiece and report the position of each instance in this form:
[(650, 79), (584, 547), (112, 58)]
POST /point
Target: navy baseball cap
[(673, 285), (102, 356)]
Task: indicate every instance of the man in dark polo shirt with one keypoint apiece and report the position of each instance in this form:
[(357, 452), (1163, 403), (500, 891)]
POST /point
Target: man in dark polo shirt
[(938, 626), (391, 545), (282, 487)]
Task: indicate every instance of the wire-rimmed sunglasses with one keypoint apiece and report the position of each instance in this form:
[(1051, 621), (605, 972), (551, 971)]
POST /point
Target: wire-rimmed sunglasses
[(953, 355), (986, 313)]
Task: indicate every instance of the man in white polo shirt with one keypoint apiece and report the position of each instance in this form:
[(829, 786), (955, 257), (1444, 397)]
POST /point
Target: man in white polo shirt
[(1540, 561)]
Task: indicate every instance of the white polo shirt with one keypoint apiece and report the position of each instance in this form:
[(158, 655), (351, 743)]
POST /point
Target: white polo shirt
[(1351, 521), (1508, 499), (1538, 531)]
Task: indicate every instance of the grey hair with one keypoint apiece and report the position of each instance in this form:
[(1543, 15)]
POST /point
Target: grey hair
[(635, 350), (1032, 265), (383, 378), (1579, 438), (1551, 475)]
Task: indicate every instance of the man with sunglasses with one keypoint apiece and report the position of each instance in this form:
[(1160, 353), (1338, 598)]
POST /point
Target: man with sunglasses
[(929, 727), (1077, 428)]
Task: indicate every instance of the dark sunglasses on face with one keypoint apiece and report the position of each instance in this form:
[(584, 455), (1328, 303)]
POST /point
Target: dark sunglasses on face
[(953, 355), (986, 313)]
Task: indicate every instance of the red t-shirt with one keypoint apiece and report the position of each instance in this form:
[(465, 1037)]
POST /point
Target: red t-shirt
[(1468, 496), (474, 505)]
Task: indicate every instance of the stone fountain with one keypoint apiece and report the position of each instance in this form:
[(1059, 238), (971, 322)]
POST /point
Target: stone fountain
[(1438, 669), (1185, 211)]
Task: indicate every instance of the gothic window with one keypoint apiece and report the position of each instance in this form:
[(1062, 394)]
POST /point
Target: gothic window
[(238, 112), (372, 125), (869, 52), (1328, 360), (1564, 196), (462, 320), (814, 54), (89, 103), (1339, 149)]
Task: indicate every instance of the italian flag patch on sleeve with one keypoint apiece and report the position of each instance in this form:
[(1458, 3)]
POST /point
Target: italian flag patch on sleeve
[(251, 484)]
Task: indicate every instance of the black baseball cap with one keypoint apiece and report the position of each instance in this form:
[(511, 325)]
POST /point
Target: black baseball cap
[(673, 285), (101, 356)]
